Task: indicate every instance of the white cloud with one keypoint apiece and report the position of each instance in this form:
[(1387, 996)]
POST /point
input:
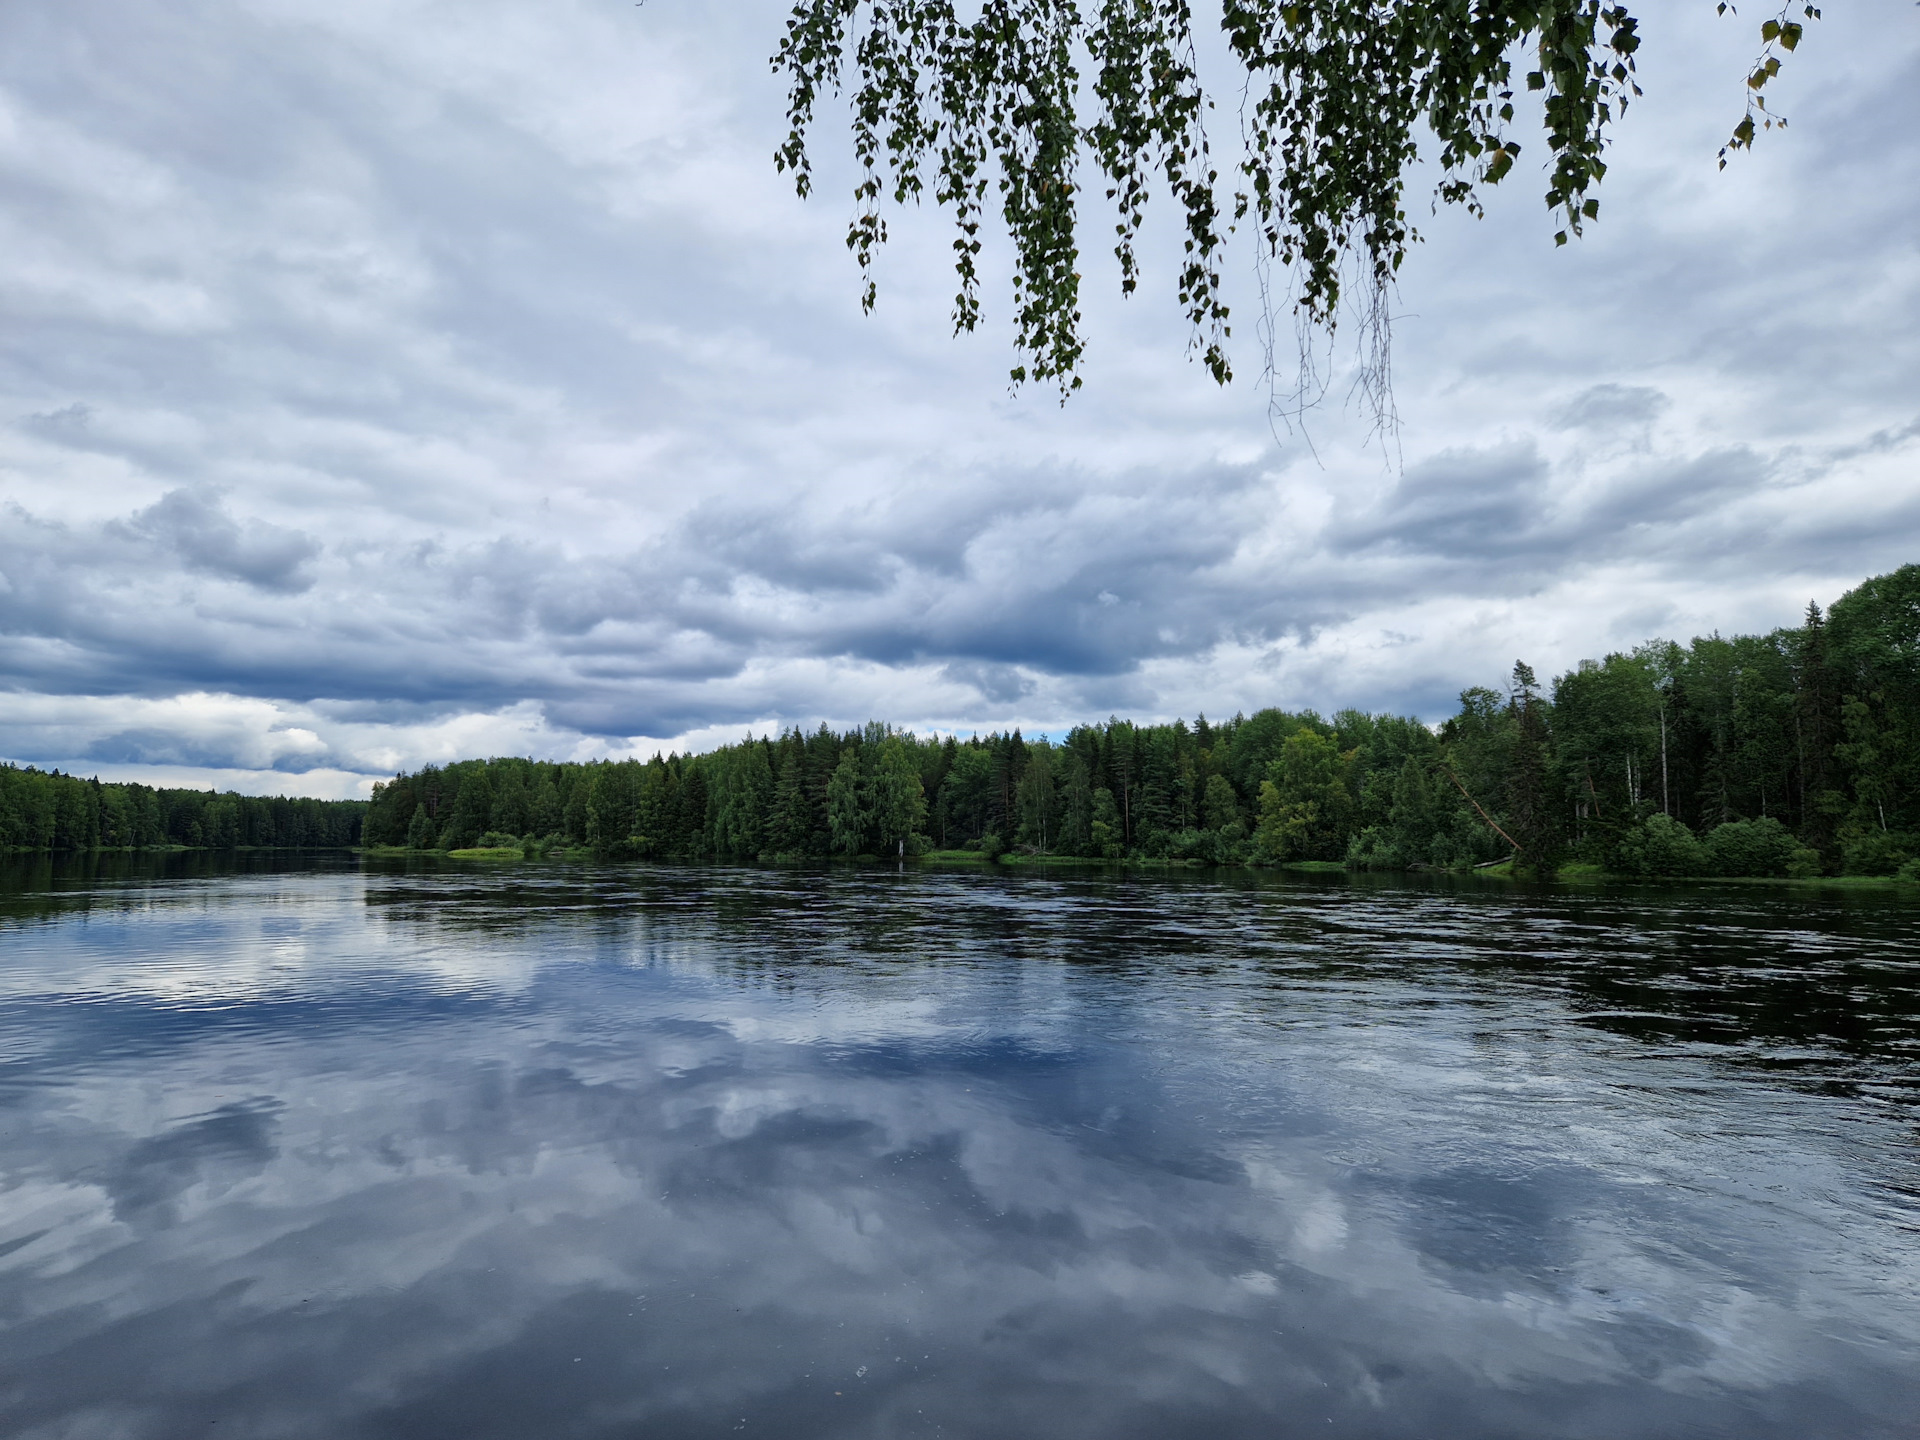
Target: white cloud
[(436, 382)]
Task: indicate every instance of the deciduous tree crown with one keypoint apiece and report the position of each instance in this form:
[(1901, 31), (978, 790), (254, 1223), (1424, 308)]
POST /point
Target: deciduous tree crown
[(1337, 95)]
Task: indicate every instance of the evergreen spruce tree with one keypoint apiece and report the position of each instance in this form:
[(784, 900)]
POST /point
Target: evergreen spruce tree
[(846, 804), (789, 823), (472, 808)]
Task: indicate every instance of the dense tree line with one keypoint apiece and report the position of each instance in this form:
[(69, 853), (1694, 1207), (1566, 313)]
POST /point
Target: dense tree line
[(1796, 752), (46, 810), (1751, 754)]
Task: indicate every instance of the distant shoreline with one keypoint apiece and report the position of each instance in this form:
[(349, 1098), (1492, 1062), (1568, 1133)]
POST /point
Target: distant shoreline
[(1572, 874)]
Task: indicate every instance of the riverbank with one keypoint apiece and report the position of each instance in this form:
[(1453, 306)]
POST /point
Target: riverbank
[(1593, 874), (1574, 874)]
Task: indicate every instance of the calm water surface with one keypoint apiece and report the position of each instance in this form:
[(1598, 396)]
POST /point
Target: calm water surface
[(304, 1149)]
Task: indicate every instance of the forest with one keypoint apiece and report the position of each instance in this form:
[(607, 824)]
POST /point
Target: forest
[(1790, 754), (46, 810)]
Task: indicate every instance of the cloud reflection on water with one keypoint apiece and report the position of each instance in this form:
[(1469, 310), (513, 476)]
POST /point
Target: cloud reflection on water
[(659, 1169)]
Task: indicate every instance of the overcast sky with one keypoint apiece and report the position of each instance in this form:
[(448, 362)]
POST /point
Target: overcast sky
[(392, 381)]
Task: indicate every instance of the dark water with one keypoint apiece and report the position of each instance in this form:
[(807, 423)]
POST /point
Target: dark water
[(306, 1151)]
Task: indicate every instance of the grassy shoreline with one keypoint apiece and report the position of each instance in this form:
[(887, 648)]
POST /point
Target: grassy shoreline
[(1576, 874)]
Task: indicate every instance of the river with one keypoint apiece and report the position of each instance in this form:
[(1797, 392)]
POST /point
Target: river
[(312, 1147)]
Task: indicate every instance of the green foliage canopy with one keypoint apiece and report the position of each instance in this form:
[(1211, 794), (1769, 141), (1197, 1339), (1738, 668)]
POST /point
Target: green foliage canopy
[(45, 810), (1338, 94)]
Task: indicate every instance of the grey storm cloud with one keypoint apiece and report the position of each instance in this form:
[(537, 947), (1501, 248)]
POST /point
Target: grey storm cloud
[(403, 379), (208, 540), (1028, 587), (997, 684), (1466, 503)]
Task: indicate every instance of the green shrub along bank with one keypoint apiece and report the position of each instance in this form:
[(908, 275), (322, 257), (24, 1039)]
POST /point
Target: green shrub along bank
[(1793, 754), (46, 810)]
